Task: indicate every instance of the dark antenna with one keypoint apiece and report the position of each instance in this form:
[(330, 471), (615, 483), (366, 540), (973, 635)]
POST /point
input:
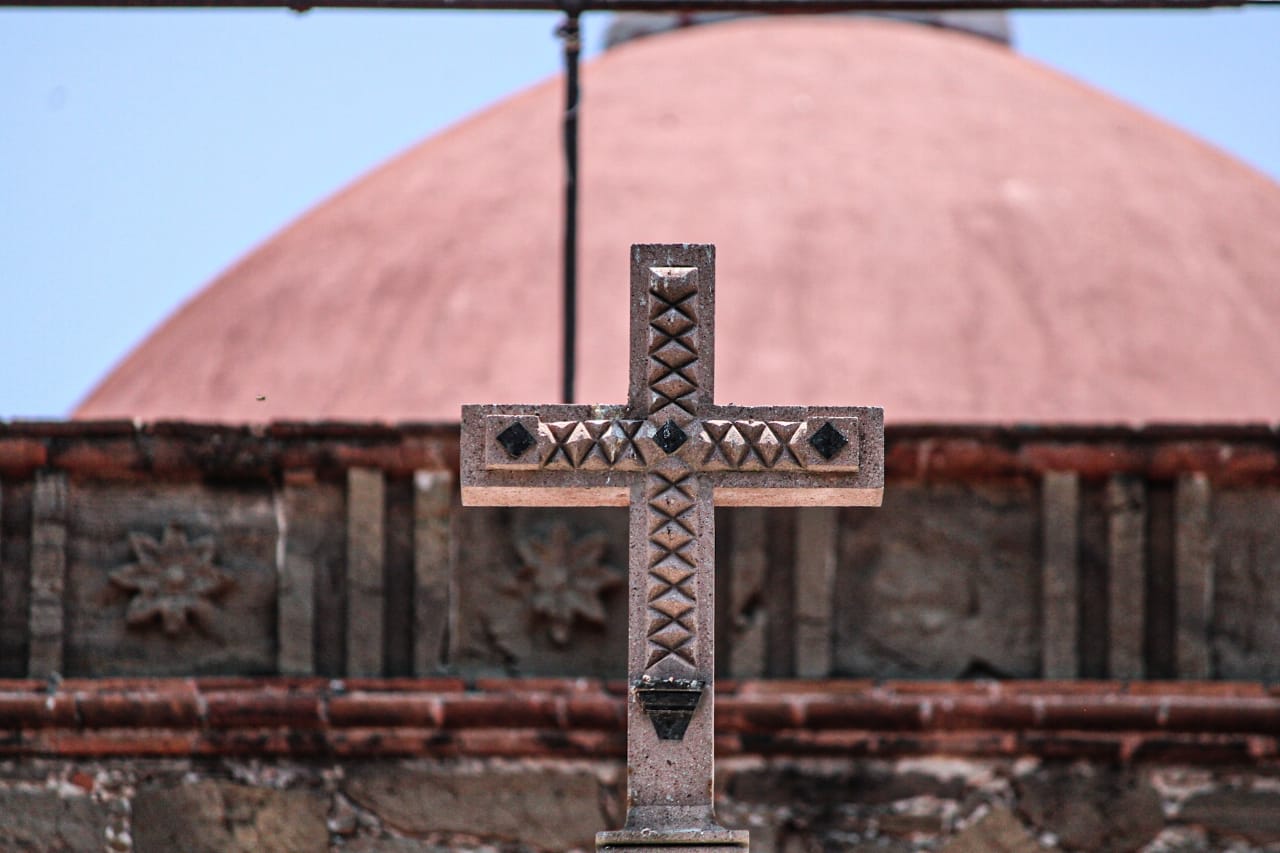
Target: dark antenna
[(571, 35)]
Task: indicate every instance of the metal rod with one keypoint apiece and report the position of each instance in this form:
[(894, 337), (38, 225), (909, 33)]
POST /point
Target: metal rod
[(571, 35), (577, 6)]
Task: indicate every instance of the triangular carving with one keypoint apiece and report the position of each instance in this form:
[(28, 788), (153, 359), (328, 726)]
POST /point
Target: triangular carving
[(670, 704)]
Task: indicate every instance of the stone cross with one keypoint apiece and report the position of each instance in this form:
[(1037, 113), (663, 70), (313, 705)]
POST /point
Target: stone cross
[(670, 454)]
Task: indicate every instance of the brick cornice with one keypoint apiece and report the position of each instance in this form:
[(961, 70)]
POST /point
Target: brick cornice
[(1233, 454), (1184, 721)]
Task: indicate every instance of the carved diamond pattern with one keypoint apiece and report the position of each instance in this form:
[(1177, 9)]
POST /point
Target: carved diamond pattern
[(713, 445), (750, 445), (672, 535), (673, 354), (593, 445)]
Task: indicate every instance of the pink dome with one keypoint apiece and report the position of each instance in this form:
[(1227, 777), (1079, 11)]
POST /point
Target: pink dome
[(904, 217)]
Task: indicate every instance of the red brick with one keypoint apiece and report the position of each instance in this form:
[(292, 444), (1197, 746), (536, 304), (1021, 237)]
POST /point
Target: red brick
[(746, 715), (125, 685), (1197, 750), (361, 742), (1208, 689), (1258, 716), (805, 687), (251, 684), (102, 743), (863, 712), (510, 711), (1113, 713), (1076, 689), (1170, 460), (966, 458), (1090, 461), (902, 460), (525, 686), (117, 459), (20, 456), (1247, 465), (420, 685), (966, 712), (942, 688), (526, 743), (1070, 746), (25, 711), (234, 709), (597, 712), (83, 780), (385, 709), (139, 709)]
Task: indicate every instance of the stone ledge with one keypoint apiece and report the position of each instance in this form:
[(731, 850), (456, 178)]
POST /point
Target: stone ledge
[(1231, 454), (1185, 721)]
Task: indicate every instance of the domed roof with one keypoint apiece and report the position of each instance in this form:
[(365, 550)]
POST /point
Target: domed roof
[(904, 217)]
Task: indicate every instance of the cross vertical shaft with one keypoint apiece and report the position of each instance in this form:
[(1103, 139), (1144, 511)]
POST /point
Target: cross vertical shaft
[(671, 659)]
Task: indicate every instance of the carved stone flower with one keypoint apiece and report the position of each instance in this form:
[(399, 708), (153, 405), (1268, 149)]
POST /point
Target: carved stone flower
[(568, 575), (172, 580)]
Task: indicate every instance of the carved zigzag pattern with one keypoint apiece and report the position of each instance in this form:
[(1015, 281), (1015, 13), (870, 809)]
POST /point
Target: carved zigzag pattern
[(752, 445), (673, 531), (594, 445), (673, 349)]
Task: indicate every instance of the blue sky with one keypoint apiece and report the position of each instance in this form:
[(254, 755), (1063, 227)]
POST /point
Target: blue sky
[(141, 152)]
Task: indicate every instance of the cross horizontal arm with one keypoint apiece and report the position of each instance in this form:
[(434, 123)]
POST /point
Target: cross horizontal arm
[(527, 455), (557, 455), (761, 6)]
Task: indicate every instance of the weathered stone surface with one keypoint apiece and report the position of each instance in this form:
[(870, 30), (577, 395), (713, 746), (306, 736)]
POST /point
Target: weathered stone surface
[(314, 553), (223, 817), (235, 634), (50, 822), (999, 831), (1060, 578), (45, 633), (499, 630), (15, 573), (1090, 808), (1127, 575), (1234, 814), (1246, 636), (552, 809), (296, 608), (862, 783), (747, 617), (817, 535), (392, 845), (1193, 566), (366, 571), (433, 560), (941, 582)]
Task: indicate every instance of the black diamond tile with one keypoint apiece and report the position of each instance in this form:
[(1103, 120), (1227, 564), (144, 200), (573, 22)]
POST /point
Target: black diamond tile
[(515, 439), (669, 437), (828, 441)]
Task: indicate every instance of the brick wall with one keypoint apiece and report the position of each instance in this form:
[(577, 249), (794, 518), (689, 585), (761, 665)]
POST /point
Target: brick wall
[(340, 550)]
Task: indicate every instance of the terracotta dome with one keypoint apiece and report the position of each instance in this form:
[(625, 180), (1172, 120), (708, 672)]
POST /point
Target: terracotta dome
[(906, 217)]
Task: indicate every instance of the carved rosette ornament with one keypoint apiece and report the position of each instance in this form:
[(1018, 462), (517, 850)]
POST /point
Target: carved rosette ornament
[(568, 574), (173, 581)]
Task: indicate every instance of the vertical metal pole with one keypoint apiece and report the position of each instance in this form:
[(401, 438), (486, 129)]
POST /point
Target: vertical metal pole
[(569, 32)]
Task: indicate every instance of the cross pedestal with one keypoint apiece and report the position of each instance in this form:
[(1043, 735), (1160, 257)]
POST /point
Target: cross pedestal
[(670, 454)]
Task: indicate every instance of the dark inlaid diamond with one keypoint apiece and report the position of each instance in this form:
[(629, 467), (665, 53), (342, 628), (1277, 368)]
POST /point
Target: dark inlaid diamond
[(515, 439), (828, 441), (669, 437)]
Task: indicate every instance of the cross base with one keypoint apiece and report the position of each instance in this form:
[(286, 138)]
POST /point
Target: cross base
[(711, 840)]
